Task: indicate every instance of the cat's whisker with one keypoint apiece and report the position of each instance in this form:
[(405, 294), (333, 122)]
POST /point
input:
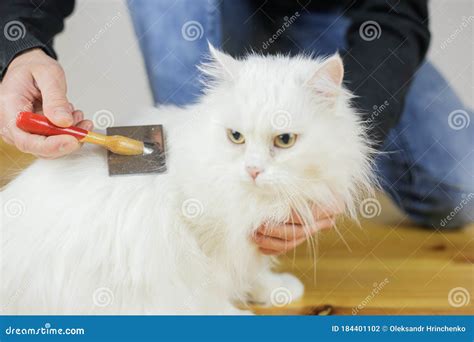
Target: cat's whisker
[(312, 242), (337, 231), (342, 238)]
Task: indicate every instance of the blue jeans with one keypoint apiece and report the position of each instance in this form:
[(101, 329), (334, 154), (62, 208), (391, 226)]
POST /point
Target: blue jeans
[(428, 170)]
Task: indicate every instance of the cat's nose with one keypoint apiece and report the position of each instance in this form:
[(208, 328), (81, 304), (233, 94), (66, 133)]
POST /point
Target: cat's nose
[(253, 171)]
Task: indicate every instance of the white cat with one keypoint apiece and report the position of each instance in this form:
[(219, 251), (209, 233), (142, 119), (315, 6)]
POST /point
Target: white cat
[(270, 134)]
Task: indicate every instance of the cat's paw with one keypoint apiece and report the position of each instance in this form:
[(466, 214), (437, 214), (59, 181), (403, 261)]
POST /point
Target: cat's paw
[(277, 289)]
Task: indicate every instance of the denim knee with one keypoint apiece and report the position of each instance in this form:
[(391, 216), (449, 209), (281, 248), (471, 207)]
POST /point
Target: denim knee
[(461, 213), (451, 211)]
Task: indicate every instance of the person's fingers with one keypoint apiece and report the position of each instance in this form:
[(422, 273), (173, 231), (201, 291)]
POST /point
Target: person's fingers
[(12, 109), (60, 145), (88, 125), (269, 251), (45, 147), (284, 231), (319, 213), (294, 218), (295, 231), (324, 213), (37, 108), (77, 116), (276, 244), (324, 224), (51, 81), (15, 105)]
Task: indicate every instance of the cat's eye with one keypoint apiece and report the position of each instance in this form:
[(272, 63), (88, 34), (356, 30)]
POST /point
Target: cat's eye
[(235, 136), (285, 140)]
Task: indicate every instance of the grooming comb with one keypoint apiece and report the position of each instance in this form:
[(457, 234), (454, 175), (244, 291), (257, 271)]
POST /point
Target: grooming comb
[(132, 149)]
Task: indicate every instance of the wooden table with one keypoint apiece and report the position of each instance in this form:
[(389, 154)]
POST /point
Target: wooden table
[(389, 269)]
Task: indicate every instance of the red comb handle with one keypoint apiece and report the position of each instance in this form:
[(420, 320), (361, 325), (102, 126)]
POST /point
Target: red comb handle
[(39, 124)]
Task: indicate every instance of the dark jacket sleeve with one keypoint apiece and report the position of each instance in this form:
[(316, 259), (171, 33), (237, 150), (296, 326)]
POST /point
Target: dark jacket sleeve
[(27, 24), (387, 41)]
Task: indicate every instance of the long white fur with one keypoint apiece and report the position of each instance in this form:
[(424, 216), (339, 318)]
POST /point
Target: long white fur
[(179, 242)]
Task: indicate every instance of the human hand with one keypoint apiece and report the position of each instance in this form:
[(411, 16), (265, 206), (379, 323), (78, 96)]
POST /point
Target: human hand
[(36, 82), (276, 240)]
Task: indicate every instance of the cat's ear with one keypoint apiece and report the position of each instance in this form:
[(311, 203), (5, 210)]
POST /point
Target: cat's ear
[(327, 79), (223, 66)]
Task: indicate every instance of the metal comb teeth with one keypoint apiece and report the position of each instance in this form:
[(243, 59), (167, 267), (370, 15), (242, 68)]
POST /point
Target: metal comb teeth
[(152, 160)]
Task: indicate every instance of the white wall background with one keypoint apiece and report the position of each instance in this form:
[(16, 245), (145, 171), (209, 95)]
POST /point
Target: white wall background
[(108, 73)]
